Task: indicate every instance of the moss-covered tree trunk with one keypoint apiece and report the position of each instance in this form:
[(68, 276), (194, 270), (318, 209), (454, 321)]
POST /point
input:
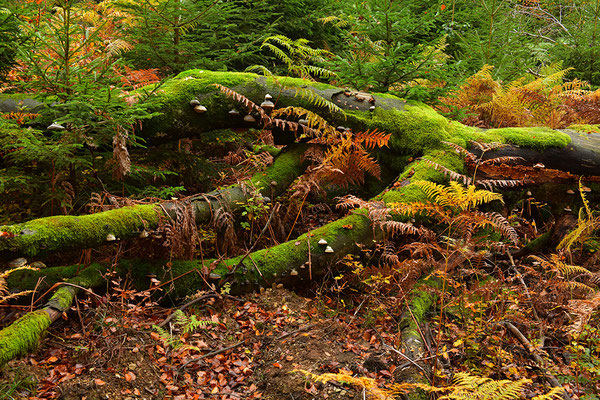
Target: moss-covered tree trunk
[(59, 233)]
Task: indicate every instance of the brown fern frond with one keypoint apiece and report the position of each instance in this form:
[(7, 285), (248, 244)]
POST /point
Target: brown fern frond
[(240, 98), (461, 150), (503, 183), (448, 172), (503, 226), (503, 160), (488, 146), (350, 201), (389, 256), (395, 228), (373, 139), (583, 310)]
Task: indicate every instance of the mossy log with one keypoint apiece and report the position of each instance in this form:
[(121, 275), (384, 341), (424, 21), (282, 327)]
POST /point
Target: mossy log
[(44, 235), (413, 341), (23, 335), (415, 127)]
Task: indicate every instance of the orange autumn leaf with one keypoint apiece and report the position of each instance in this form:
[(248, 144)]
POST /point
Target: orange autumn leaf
[(99, 382), (443, 7), (130, 376)]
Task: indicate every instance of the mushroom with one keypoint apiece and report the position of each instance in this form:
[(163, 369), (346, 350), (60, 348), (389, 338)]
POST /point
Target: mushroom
[(194, 102), (293, 272), (303, 122), (17, 262), (322, 241), (214, 276), (250, 119), (539, 165), (110, 237), (55, 127), (585, 189), (341, 128), (372, 108), (144, 234), (529, 193), (234, 112), (570, 191), (267, 105), (37, 264), (200, 109), (328, 249), (567, 209)]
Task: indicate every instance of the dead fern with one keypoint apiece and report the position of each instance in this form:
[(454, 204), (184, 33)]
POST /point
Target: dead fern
[(547, 100), (465, 387), (5, 294), (588, 222), (346, 159)]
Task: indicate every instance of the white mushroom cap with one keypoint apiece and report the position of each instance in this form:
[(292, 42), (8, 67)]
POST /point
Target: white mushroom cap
[(322, 241), (110, 237), (328, 249)]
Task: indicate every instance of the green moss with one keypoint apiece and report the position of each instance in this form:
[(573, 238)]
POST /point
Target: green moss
[(65, 232), (286, 168), (63, 298), (28, 279), (539, 243), (421, 171), (23, 335), (536, 138), (585, 128)]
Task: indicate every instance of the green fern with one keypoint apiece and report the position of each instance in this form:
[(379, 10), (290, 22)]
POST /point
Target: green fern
[(187, 324), (298, 57)]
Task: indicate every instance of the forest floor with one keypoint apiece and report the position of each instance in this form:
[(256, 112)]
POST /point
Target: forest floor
[(112, 351)]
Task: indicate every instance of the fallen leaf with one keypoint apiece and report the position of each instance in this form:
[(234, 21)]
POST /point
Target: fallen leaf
[(99, 382), (130, 376)]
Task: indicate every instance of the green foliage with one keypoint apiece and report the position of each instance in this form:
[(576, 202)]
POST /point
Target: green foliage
[(176, 35), (389, 43), (9, 39), (585, 361), (187, 324)]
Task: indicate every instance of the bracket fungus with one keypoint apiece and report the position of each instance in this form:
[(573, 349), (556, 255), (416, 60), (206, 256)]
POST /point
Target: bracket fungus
[(200, 109), (55, 127)]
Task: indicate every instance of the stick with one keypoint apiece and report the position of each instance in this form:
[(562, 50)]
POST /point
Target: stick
[(536, 357)]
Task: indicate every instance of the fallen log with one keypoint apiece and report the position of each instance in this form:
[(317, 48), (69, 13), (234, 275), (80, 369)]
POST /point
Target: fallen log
[(24, 334), (45, 235)]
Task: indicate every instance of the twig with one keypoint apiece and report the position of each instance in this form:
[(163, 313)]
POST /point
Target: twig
[(536, 357), (233, 346), (401, 354), (262, 232)]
